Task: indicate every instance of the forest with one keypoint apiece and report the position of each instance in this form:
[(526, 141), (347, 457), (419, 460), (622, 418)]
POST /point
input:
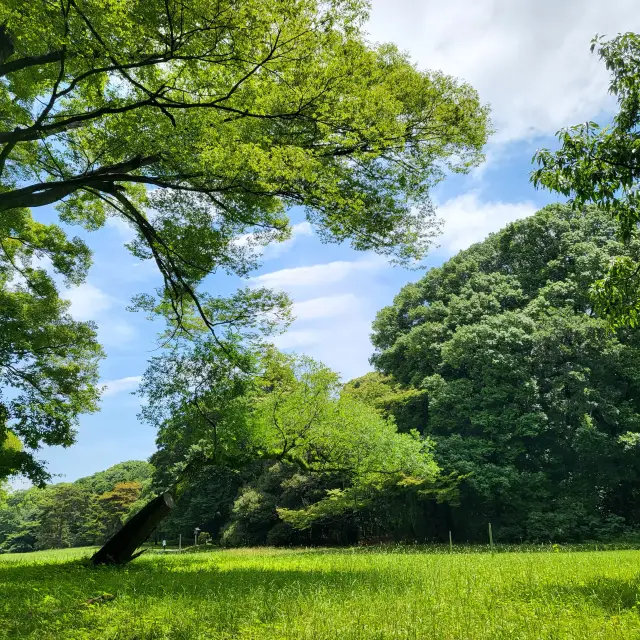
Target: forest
[(525, 403), (318, 319)]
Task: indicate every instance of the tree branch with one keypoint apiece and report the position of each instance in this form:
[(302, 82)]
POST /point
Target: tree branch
[(29, 61), (47, 192)]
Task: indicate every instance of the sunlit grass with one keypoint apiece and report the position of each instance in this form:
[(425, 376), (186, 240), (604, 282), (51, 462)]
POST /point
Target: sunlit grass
[(321, 594)]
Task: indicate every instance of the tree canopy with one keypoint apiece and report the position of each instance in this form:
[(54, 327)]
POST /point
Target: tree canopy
[(48, 361), (200, 124), (523, 387), (230, 113), (287, 411), (599, 165)]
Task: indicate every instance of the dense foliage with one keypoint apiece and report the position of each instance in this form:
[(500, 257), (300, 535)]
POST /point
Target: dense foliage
[(499, 357), (48, 361), (303, 456), (85, 512), (600, 165)]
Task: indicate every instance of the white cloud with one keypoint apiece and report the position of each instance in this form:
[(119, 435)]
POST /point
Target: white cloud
[(112, 387), (325, 307), (88, 302), (467, 220), (275, 249), (115, 331), (529, 59), (123, 228), (343, 346), (317, 274), (294, 339), (302, 229)]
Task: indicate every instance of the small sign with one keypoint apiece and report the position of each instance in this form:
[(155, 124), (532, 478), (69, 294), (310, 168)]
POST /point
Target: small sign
[(164, 543)]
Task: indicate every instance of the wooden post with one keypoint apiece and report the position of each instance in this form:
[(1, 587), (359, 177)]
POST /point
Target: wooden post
[(450, 542), (180, 543), (121, 547), (490, 538)]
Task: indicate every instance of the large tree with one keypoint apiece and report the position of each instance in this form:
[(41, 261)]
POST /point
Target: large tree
[(286, 412), (523, 387), (200, 124), (599, 164)]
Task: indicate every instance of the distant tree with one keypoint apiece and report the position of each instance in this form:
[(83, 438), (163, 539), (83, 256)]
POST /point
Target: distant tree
[(600, 165), (112, 507), (287, 411), (137, 471), (62, 511), (19, 522), (529, 395)]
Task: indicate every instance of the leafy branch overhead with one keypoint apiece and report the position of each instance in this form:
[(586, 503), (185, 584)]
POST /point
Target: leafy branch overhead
[(600, 165), (200, 124), (229, 113)]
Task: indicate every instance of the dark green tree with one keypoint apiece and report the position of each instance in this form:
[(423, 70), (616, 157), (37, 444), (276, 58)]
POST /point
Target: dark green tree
[(19, 521), (529, 393), (62, 512)]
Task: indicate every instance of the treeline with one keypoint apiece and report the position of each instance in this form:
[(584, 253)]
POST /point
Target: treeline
[(497, 359), (499, 396), (73, 514)]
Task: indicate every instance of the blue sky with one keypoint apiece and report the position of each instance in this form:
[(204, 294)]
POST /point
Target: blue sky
[(529, 59)]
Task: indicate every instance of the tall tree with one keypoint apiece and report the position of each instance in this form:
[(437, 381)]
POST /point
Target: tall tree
[(529, 395), (200, 124), (600, 165)]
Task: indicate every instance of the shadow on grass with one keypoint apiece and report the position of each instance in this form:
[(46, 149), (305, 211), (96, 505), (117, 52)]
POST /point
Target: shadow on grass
[(612, 595), (34, 597), (37, 597)]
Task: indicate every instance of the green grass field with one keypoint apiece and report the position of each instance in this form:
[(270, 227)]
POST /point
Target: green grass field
[(313, 594)]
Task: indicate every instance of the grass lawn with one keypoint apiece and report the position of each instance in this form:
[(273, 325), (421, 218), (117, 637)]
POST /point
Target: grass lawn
[(330, 594)]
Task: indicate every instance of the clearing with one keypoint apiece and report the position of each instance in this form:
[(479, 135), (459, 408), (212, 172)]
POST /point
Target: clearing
[(389, 593)]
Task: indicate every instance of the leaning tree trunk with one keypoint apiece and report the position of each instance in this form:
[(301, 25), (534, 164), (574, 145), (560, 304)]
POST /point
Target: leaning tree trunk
[(121, 547)]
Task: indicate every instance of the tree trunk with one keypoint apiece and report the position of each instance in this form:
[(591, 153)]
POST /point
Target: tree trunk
[(121, 547)]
